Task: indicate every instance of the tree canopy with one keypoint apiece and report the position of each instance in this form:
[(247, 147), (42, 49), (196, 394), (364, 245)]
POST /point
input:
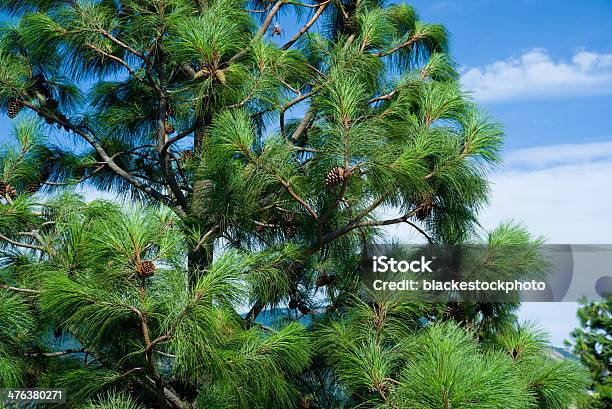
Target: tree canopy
[(257, 162)]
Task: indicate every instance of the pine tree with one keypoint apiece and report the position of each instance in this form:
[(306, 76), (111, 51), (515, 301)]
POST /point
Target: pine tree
[(592, 343), (256, 166)]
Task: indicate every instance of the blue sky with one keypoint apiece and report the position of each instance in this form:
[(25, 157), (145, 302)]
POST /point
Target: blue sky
[(544, 69), (486, 31)]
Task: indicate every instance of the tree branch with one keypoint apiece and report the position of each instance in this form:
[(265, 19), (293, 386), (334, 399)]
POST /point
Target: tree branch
[(417, 228), (206, 237), (164, 160), (385, 97), (373, 223), (306, 26), (302, 126), (135, 52), (24, 245), (151, 369), (405, 44), (264, 27), (58, 353), (177, 138), (131, 179), (76, 182), (114, 58), (19, 290), (262, 30)]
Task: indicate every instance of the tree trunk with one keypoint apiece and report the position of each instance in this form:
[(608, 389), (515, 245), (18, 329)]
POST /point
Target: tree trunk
[(198, 261)]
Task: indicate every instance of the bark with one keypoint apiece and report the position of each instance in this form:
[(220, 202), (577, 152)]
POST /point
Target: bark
[(198, 261)]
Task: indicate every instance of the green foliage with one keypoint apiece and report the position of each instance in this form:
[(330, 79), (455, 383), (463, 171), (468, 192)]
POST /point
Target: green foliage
[(17, 326), (446, 369), (591, 342), (253, 175), (114, 401), (443, 365)]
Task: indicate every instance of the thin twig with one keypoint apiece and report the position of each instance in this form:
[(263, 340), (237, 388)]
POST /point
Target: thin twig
[(58, 353), (24, 245), (19, 290), (309, 23)]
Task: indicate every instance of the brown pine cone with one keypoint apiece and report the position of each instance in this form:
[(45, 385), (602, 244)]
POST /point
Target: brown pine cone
[(220, 76), (14, 106), (33, 188), (289, 218), (306, 402), (169, 128), (424, 208), (336, 176), (145, 268), (303, 308), (290, 231), (325, 279), (6, 189)]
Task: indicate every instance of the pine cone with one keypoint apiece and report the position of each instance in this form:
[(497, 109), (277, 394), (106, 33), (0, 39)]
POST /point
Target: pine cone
[(259, 229), (6, 189), (303, 308), (14, 106), (33, 188), (289, 218), (186, 155), (169, 128), (290, 231), (220, 76), (306, 402), (424, 208), (336, 176), (325, 279), (145, 268)]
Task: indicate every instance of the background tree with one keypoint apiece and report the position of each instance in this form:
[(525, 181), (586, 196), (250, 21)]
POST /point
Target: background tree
[(592, 343), (276, 158)]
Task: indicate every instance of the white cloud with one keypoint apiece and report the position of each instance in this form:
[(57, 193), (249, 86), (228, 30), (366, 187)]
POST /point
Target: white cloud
[(536, 75), (557, 191), (560, 192), (559, 155)]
